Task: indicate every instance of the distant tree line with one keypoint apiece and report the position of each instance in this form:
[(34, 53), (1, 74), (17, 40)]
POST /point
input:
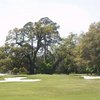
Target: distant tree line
[(38, 48)]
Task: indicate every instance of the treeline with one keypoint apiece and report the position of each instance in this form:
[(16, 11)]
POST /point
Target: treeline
[(38, 48)]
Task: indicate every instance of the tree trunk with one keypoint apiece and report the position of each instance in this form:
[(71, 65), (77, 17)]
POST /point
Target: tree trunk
[(32, 61), (31, 65), (32, 69)]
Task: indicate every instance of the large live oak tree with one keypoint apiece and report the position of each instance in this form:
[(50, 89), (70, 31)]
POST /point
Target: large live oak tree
[(35, 38)]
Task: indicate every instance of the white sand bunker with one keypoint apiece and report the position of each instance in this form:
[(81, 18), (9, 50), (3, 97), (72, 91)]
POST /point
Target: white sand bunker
[(2, 74), (20, 79), (91, 77)]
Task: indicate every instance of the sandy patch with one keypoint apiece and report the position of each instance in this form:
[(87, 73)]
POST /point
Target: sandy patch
[(91, 77), (2, 74), (19, 79)]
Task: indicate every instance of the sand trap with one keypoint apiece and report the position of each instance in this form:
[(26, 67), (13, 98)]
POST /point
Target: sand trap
[(91, 77), (19, 79), (2, 74)]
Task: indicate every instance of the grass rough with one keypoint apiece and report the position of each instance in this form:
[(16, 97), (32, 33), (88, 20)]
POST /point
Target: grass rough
[(52, 87)]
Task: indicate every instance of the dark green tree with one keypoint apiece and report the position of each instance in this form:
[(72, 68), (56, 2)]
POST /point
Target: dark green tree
[(88, 52), (64, 55), (5, 60), (36, 39)]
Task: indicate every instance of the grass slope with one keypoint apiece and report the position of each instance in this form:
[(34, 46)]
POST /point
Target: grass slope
[(52, 87)]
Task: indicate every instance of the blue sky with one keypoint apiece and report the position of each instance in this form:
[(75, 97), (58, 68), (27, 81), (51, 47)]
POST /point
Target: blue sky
[(72, 15)]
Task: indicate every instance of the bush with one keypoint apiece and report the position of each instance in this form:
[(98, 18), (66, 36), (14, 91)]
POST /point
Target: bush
[(23, 70), (3, 69), (15, 71), (46, 68)]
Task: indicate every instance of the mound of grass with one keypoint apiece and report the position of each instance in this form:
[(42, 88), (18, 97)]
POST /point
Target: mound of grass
[(52, 87)]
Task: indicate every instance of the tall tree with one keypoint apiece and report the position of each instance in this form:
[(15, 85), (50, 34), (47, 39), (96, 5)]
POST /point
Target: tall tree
[(36, 38), (90, 49), (64, 55)]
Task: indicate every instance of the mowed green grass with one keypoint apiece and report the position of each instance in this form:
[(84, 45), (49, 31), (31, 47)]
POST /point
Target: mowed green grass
[(52, 87)]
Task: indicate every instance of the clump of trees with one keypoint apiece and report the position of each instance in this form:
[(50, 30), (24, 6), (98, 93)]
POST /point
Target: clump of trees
[(38, 48)]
